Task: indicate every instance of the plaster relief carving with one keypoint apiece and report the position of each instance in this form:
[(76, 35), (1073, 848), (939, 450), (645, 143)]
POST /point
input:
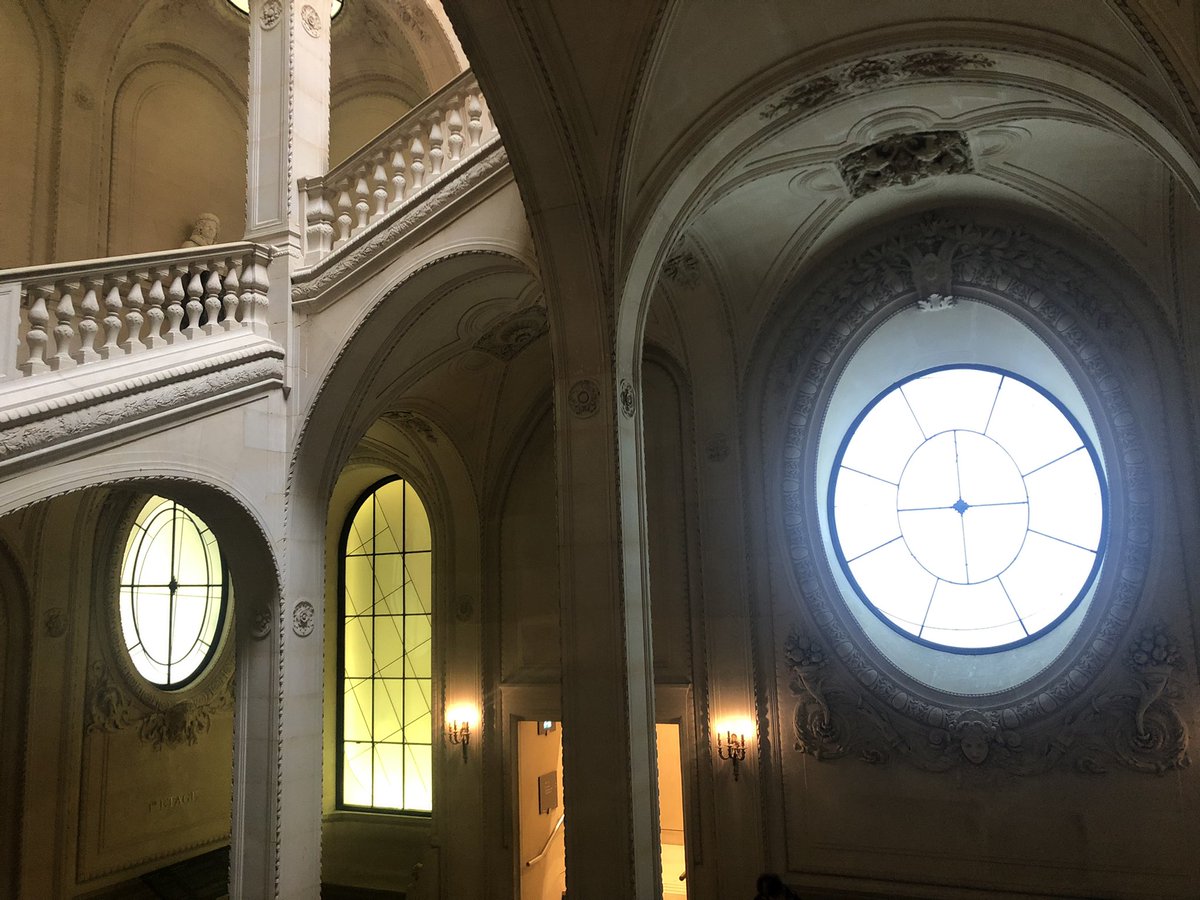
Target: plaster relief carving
[(905, 159), (109, 708), (55, 622), (311, 20), (1134, 723), (933, 277), (84, 98), (464, 609), (717, 448), (272, 11), (682, 268), (204, 231), (185, 721), (304, 618), (584, 398), (628, 399), (410, 421), (512, 334), (870, 74), (260, 627)]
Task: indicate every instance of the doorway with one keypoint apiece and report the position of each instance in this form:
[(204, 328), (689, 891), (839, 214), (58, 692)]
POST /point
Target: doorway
[(542, 818)]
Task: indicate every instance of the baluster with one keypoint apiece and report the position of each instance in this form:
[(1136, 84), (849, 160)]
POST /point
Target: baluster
[(232, 296), (36, 337), (436, 153), (254, 297), (319, 219), (379, 176), (212, 300), (175, 294), (195, 307), (134, 301), (155, 298), (89, 328), (416, 153), (112, 322), (361, 205), (344, 218), (474, 125), (398, 179), (454, 125), (64, 331)]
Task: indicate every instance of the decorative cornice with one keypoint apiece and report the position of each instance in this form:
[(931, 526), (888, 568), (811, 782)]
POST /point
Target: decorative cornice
[(170, 391), (367, 247)]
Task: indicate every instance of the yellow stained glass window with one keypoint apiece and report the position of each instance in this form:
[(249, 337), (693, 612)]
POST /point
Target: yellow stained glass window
[(386, 659), (172, 594)]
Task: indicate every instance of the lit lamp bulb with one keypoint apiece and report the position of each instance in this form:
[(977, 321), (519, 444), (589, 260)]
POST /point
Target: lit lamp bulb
[(459, 721), (731, 740)]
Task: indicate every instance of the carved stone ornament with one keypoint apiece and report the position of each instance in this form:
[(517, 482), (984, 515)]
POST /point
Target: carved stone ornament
[(185, 721), (871, 74), (410, 421), (272, 12), (717, 448), (584, 398), (682, 268), (872, 709), (905, 159), (311, 20), (512, 334), (55, 622), (260, 626), (1134, 723), (108, 707), (628, 399), (304, 618), (464, 609)]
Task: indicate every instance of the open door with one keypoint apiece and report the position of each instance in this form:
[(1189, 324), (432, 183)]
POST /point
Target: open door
[(543, 859), (670, 812)]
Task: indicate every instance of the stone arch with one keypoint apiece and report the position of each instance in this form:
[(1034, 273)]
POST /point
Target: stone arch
[(15, 647)]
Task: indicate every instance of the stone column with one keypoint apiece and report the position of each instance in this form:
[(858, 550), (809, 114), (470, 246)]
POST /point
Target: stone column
[(288, 139), (610, 791)]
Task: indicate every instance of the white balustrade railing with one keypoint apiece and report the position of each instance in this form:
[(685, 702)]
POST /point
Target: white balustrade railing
[(431, 141), (62, 316)]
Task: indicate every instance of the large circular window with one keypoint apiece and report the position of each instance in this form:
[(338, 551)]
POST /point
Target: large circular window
[(173, 594), (967, 509)]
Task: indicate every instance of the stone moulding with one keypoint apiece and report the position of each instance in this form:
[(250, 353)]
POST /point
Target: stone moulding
[(868, 694), (65, 423)]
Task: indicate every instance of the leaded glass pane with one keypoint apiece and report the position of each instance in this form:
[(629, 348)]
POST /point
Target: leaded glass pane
[(968, 509), (386, 652)]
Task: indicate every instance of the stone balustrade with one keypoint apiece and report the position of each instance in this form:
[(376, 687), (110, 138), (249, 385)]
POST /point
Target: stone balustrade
[(61, 316), (423, 148)]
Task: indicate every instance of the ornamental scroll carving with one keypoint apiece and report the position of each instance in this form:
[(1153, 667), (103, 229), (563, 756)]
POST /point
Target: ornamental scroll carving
[(111, 709), (507, 338), (905, 159), (584, 398), (1134, 723), (871, 74)]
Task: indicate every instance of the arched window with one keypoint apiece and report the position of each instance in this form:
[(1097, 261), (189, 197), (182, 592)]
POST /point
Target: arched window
[(173, 594), (385, 653)]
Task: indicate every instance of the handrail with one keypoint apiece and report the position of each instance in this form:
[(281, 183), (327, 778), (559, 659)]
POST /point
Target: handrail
[(557, 826), (445, 133)]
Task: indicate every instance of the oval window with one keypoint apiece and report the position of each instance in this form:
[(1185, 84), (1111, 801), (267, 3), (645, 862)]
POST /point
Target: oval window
[(173, 594), (968, 509)]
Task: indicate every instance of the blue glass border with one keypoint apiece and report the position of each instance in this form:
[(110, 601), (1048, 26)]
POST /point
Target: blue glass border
[(1101, 549)]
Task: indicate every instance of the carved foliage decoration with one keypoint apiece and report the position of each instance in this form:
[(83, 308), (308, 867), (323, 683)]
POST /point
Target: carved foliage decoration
[(1046, 285), (311, 20), (904, 159), (410, 421), (870, 74), (272, 11), (111, 709), (1133, 723), (304, 618), (584, 398), (682, 268), (512, 334), (628, 399)]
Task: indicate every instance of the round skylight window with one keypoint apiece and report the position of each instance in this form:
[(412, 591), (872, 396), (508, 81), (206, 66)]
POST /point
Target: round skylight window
[(968, 509), (172, 594)]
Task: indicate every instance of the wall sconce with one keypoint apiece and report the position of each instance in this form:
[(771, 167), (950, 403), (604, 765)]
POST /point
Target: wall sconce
[(459, 720), (732, 741)]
